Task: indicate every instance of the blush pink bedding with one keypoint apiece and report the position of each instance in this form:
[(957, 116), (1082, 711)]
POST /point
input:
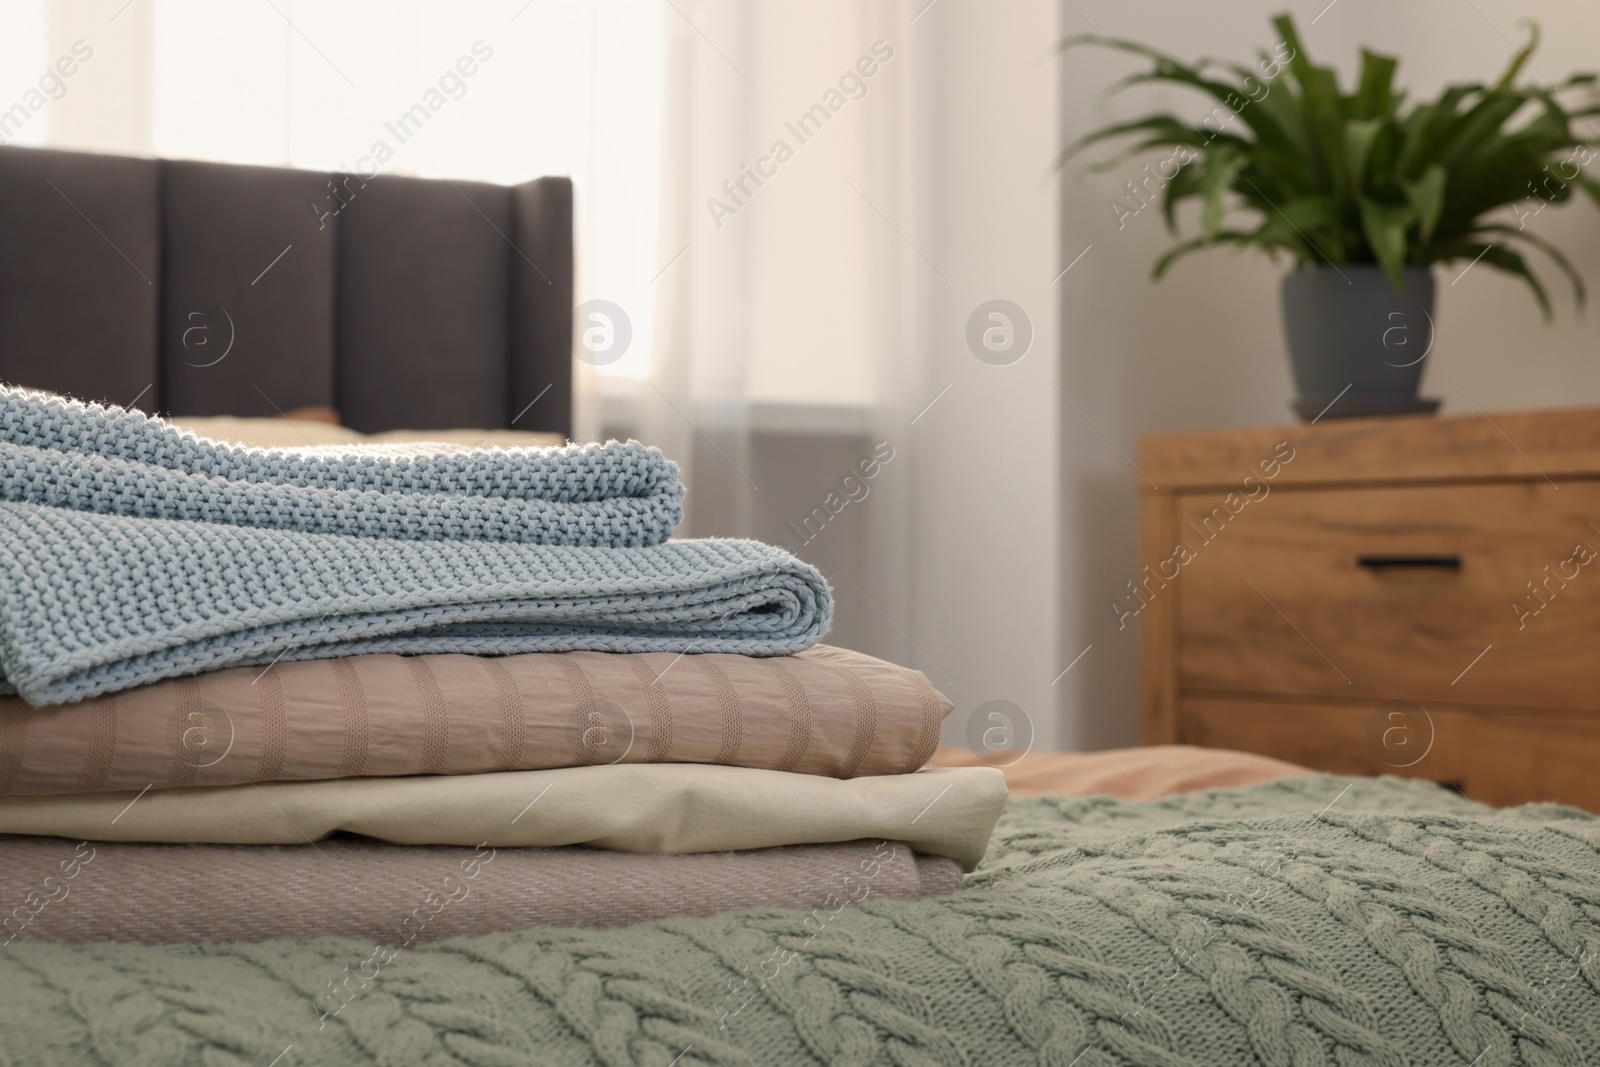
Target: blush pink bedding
[(1142, 773)]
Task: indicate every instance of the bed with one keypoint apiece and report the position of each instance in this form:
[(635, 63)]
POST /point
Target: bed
[(1301, 920), (1159, 906), (227, 290)]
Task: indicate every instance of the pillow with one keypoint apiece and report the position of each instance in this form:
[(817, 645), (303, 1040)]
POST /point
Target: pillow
[(327, 415), (313, 432)]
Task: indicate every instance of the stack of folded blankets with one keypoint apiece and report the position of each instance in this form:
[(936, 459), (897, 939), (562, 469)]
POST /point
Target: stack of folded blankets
[(411, 692)]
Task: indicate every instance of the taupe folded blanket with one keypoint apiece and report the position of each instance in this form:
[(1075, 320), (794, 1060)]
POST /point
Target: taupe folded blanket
[(395, 896), (825, 711)]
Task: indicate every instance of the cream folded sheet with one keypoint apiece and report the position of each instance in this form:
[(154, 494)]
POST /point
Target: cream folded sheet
[(645, 808), (403, 895)]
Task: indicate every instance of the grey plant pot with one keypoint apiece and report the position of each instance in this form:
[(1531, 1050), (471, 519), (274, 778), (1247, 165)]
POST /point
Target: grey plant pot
[(1356, 346)]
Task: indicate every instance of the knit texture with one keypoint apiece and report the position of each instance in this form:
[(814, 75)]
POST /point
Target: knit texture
[(1301, 922), (93, 603), (87, 457)]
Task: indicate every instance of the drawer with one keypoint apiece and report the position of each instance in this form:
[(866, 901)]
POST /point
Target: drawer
[(1476, 594), (1495, 757)]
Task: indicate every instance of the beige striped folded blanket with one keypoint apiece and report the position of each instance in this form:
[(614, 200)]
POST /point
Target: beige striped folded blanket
[(825, 711), (396, 897)]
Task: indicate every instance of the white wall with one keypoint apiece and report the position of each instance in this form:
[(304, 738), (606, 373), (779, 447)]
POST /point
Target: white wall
[(986, 587), (1204, 347)]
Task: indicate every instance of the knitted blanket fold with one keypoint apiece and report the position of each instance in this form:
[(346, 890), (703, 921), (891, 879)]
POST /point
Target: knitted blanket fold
[(87, 457), (93, 603), (1303, 922)]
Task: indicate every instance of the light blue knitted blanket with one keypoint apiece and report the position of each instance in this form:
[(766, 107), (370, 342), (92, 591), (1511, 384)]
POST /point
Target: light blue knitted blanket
[(131, 553), (86, 457)]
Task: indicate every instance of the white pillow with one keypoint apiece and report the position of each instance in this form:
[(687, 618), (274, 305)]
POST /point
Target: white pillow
[(307, 433)]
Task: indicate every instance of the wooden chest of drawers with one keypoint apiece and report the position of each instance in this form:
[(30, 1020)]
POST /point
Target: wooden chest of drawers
[(1412, 596)]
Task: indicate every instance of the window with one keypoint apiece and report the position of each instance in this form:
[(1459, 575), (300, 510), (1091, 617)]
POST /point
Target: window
[(24, 57)]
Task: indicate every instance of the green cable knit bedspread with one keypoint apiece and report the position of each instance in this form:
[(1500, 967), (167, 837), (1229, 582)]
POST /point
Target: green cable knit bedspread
[(1306, 921)]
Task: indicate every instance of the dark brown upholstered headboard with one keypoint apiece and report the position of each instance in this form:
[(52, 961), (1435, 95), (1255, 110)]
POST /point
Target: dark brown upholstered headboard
[(216, 289)]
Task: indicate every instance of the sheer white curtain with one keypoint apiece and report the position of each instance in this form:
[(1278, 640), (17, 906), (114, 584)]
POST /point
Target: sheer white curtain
[(786, 140), (847, 184)]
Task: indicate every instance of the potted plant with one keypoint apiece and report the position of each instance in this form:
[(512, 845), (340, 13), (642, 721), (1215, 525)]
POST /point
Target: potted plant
[(1362, 193)]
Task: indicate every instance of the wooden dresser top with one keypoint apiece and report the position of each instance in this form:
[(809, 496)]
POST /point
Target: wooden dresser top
[(1497, 446)]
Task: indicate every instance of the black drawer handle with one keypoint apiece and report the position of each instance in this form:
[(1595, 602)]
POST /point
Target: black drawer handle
[(1388, 563)]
